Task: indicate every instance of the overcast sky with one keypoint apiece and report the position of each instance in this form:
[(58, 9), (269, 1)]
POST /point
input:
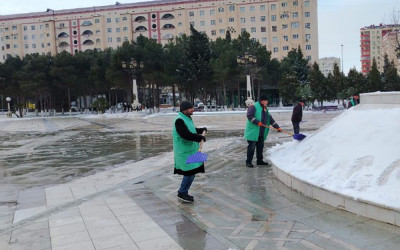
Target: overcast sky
[(339, 21)]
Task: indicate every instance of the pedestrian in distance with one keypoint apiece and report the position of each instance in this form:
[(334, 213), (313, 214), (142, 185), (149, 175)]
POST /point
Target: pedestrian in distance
[(257, 128), (297, 116), (353, 101), (186, 138)]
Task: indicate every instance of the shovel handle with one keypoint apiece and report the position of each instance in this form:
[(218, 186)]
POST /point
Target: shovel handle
[(201, 142), (284, 131)]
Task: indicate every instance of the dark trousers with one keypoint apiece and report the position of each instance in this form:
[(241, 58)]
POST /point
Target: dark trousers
[(251, 147), (186, 183), (296, 127)]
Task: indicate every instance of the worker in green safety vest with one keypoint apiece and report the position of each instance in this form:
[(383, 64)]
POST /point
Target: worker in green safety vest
[(186, 138), (256, 132)]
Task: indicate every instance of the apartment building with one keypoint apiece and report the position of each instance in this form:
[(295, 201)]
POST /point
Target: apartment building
[(390, 43), (326, 65), (371, 45), (280, 25)]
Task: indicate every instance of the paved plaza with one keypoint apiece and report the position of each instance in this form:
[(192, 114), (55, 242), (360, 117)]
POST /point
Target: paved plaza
[(107, 183)]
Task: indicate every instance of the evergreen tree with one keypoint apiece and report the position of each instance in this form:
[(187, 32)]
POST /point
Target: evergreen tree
[(391, 80), (318, 84), (374, 78)]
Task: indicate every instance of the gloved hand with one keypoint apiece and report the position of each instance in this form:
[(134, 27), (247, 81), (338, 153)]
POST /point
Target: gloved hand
[(279, 130), (205, 129), (203, 138)]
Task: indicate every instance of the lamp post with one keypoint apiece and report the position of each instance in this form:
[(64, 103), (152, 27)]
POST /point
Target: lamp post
[(342, 57), (132, 68), (247, 60), (8, 99)]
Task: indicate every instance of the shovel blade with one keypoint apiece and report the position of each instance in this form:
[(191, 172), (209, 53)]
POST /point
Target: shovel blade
[(197, 157), (299, 137)]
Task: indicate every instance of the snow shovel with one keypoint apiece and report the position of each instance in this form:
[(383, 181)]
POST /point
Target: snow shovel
[(298, 137), (198, 156)]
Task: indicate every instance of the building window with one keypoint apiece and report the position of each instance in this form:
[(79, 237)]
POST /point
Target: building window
[(308, 58), (308, 25), (274, 29), (41, 36), (285, 48), (264, 40), (96, 20), (15, 46), (213, 32), (252, 8), (231, 19), (263, 29), (26, 46), (295, 36), (201, 12), (252, 19), (191, 13), (306, 3), (33, 45), (109, 39), (33, 37), (202, 23), (118, 29), (109, 30), (220, 20), (242, 9), (295, 24), (222, 31), (231, 7), (48, 44), (284, 4), (262, 18), (26, 37), (273, 6), (118, 39), (308, 47), (295, 3), (307, 14), (42, 45), (286, 38), (243, 20), (242, 30), (25, 28), (108, 20), (220, 9), (126, 39), (212, 22), (97, 31), (15, 27), (212, 12), (125, 29), (191, 24), (284, 26), (273, 18), (275, 39), (275, 49), (285, 16), (308, 37), (253, 30), (33, 27), (254, 40), (262, 7), (47, 25), (295, 15), (117, 20)]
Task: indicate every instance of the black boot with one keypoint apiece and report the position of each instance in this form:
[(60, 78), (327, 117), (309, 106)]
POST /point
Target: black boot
[(262, 163)]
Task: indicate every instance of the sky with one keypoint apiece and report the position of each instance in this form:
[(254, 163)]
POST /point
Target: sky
[(339, 21), (362, 158)]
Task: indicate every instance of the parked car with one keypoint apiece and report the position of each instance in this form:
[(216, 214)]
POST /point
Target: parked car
[(199, 106)]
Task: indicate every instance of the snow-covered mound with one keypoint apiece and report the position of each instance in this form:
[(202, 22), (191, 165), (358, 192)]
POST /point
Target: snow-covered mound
[(357, 154)]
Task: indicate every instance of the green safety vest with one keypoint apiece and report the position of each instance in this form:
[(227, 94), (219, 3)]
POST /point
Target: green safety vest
[(184, 148), (353, 102), (252, 131)]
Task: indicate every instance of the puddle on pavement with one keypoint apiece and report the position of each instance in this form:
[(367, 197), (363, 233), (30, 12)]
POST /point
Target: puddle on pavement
[(37, 159)]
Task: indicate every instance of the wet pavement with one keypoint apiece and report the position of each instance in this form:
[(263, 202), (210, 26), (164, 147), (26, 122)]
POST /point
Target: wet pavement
[(78, 183)]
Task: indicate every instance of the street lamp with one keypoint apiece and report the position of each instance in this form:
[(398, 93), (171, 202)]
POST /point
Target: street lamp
[(247, 60), (8, 99), (132, 68), (342, 57)]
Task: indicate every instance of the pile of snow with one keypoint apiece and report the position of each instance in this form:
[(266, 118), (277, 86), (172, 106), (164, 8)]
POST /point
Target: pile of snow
[(357, 154)]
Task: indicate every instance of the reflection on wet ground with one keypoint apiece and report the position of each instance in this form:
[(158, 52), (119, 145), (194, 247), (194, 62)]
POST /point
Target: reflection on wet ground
[(36, 159)]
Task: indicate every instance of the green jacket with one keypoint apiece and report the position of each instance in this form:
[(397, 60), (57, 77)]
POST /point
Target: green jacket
[(184, 148), (252, 130)]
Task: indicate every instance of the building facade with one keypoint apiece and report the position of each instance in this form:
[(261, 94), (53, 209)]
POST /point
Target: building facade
[(390, 43), (371, 45), (326, 65), (280, 25)]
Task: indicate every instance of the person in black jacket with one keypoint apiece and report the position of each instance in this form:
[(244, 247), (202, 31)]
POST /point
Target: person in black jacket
[(353, 101), (297, 116)]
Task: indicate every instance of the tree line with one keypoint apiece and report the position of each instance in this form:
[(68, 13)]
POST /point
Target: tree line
[(192, 66)]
